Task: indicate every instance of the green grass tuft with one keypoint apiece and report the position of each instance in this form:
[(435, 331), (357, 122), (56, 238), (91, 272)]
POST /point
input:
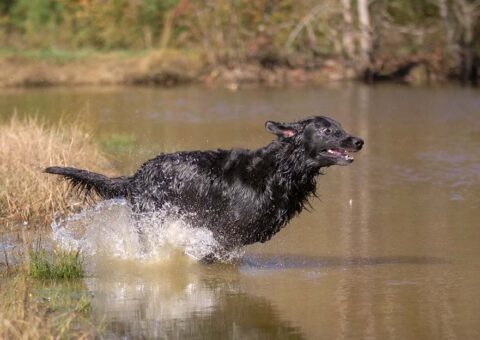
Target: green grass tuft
[(57, 265), (119, 143)]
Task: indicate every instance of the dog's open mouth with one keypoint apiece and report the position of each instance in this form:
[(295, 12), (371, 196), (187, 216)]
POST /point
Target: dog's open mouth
[(340, 153)]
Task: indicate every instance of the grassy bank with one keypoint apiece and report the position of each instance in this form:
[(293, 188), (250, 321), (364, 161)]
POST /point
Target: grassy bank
[(281, 41), (169, 67), (86, 67), (31, 309), (27, 146), (41, 296)]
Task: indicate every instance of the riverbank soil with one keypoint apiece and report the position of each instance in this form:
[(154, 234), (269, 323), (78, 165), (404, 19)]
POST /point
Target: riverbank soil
[(173, 67)]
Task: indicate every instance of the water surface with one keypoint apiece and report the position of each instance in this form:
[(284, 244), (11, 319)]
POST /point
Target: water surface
[(390, 250)]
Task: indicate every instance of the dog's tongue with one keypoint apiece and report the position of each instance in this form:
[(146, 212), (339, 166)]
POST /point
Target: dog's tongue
[(336, 152)]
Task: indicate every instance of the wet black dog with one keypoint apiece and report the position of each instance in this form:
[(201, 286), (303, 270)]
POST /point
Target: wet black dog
[(242, 196)]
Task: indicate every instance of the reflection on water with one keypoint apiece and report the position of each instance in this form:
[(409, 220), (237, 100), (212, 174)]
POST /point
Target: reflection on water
[(182, 300), (389, 251)]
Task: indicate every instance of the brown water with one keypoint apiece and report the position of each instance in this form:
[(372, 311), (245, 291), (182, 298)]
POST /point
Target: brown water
[(390, 251)]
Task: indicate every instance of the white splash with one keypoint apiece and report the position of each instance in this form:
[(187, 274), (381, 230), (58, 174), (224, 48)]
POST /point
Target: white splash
[(111, 229)]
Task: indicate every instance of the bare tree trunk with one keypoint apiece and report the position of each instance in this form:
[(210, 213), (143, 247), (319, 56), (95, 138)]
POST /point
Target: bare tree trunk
[(365, 39), (466, 13), (452, 47), (166, 31), (348, 40), (303, 23), (169, 23), (147, 37)]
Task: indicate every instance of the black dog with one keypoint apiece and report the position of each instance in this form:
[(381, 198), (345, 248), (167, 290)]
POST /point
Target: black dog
[(242, 196)]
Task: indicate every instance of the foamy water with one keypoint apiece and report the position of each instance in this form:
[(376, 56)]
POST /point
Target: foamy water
[(111, 229)]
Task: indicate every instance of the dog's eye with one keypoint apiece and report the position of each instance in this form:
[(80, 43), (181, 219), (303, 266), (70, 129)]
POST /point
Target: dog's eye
[(327, 131)]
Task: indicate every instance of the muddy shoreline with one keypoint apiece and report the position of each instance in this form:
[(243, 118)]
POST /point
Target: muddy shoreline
[(163, 69)]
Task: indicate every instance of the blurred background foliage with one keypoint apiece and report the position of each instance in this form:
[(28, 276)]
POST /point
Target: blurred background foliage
[(360, 32)]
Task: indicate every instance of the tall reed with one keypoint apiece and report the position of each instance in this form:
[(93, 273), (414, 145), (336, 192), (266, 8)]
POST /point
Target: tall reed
[(27, 146)]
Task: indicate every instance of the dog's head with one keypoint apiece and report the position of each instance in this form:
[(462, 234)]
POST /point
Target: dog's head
[(323, 139)]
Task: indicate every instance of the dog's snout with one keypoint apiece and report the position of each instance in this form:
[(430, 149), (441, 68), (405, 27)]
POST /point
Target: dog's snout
[(357, 142), (352, 143)]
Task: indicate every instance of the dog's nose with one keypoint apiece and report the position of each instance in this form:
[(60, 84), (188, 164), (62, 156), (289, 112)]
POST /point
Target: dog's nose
[(357, 142)]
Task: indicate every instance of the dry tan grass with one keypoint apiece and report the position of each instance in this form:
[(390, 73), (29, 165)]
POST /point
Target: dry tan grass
[(167, 67), (24, 315), (29, 145)]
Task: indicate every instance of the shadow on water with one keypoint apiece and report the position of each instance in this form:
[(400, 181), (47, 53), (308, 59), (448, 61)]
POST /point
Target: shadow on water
[(273, 262)]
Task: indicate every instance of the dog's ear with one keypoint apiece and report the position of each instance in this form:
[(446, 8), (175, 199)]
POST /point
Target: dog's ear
[(282, 129)]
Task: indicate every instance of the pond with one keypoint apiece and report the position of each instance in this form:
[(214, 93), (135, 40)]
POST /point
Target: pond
[(389, 250)]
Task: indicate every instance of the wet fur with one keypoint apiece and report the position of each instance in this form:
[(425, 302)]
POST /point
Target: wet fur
[(242, 196)]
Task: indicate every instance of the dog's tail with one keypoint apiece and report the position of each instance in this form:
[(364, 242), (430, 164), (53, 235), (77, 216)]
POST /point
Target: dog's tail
[(91, 182)]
